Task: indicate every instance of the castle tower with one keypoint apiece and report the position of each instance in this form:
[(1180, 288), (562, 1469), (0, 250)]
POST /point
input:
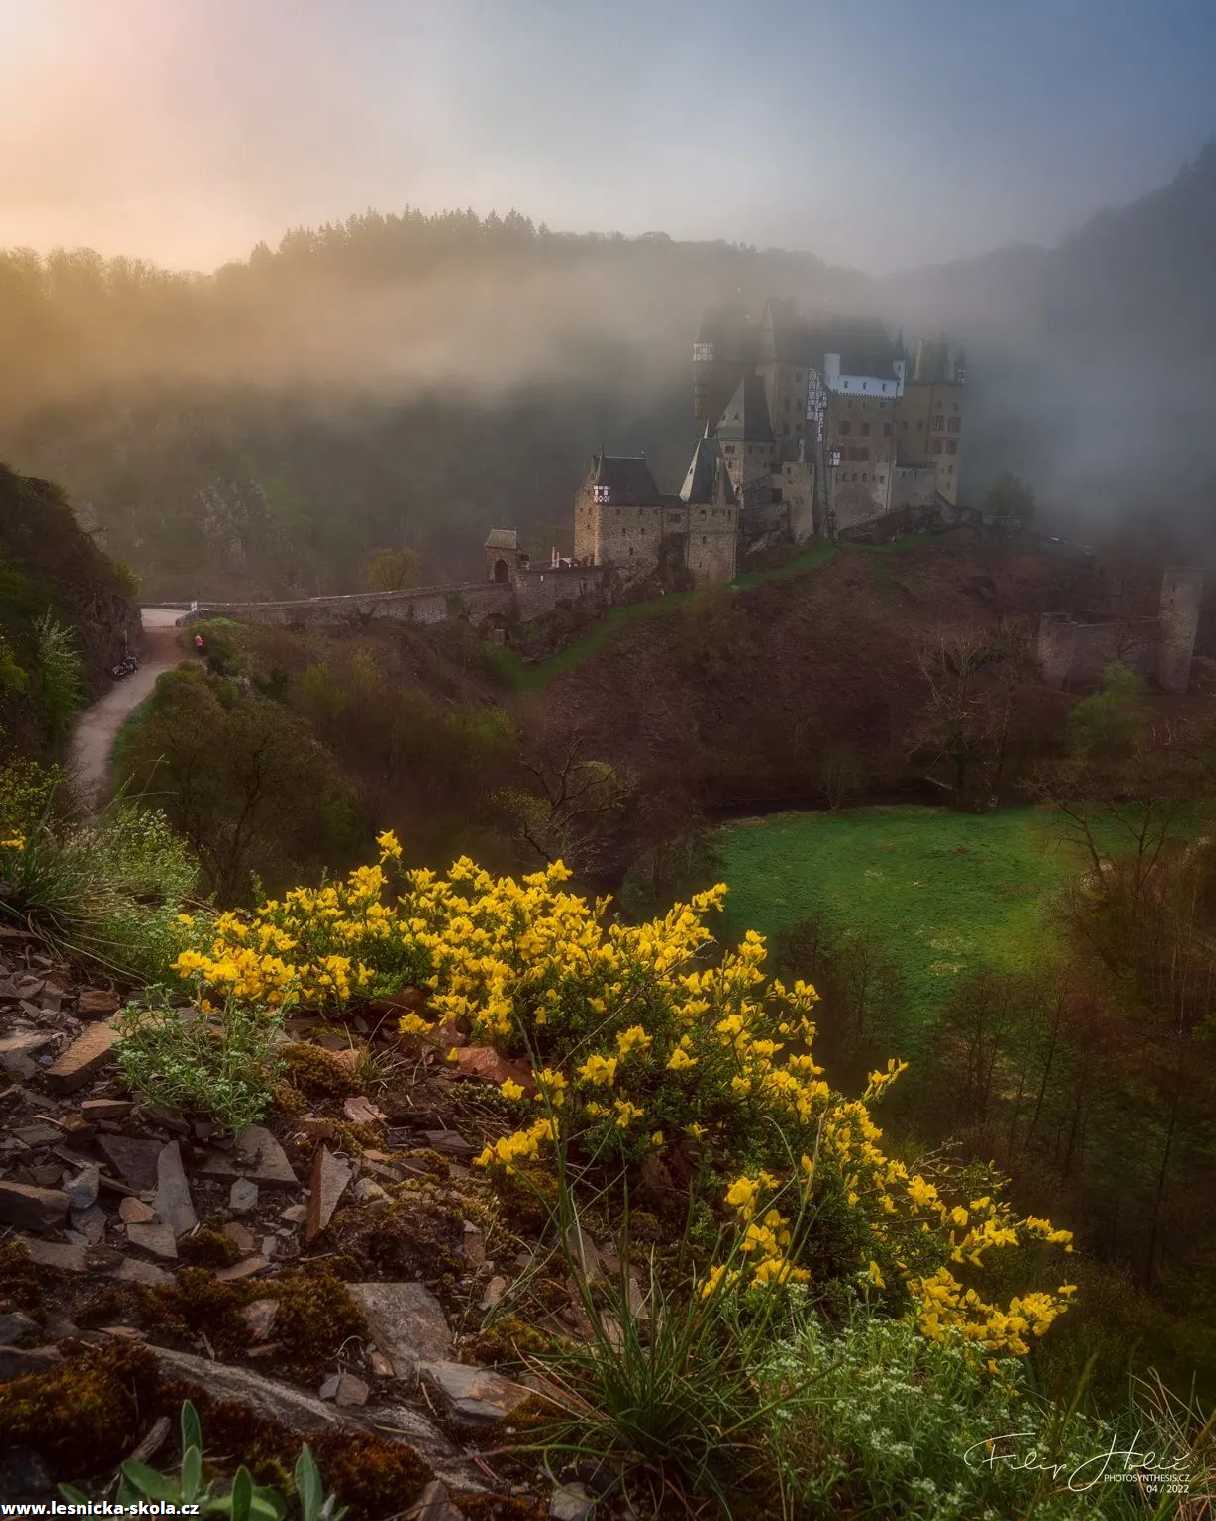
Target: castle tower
[(619, 515), (720, 353), (745, 435), (1181, 597), (784, 364), (710, 520)]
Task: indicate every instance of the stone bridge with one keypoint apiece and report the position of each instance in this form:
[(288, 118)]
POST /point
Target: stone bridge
[(526, 593)]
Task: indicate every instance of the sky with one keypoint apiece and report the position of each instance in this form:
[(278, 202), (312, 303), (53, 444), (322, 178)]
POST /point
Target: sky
[(874, 133)]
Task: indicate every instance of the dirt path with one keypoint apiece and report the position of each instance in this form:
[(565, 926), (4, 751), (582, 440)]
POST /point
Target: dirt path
[(98, 726)]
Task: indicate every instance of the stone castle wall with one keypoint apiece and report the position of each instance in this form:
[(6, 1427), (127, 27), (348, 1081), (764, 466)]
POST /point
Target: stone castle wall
[(1072, 653), (530, 592)]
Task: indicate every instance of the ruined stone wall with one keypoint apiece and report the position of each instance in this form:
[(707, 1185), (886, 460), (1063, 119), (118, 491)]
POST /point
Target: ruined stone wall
[(1181, 597), (1073, 654)]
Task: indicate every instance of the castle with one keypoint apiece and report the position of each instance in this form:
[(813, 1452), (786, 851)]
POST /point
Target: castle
[(800, 440)]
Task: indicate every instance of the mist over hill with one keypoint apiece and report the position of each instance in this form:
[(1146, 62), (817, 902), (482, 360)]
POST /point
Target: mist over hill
[(1094, 363), (413, 379)]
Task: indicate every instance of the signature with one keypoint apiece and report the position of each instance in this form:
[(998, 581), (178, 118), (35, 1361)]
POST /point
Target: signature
[(1112, 1463)]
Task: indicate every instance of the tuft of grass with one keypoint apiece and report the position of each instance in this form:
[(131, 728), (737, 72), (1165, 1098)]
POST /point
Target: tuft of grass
[(106, 892)]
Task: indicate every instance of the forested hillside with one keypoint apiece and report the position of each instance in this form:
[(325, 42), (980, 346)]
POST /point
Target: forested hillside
[(65, 613), (412, 379), (391, 379)]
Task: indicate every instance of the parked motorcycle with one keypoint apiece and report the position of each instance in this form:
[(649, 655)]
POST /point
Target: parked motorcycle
[(127, 666)]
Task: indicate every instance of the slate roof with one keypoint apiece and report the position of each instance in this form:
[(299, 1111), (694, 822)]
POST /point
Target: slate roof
[(627, 477), (503, 538), (746, 418), (699, 482)]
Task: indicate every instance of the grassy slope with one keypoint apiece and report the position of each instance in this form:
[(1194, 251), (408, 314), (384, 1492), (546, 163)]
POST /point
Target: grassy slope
[(948, 893), (534, 677)]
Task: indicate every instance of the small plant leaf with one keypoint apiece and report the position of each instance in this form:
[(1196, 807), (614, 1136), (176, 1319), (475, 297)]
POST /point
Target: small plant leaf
[(149, 1483), (241, 1499), (192, 1474), (192, 1429), (268, 1505), (72, 1495), (308, 1484)]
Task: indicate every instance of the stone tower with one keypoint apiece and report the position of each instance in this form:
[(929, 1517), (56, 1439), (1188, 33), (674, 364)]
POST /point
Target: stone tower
[(1181, 596), (503, 555)]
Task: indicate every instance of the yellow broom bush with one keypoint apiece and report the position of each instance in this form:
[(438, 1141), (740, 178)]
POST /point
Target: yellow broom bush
[(640, 1038)]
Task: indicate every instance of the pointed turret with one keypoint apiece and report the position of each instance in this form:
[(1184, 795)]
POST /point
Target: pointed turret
[(745, 419), (699, 482)]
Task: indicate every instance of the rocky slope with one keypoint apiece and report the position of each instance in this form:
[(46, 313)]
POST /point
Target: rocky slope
[(338, 1274)]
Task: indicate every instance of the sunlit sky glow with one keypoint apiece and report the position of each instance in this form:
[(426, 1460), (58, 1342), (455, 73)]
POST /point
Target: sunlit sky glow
[(872, 132)]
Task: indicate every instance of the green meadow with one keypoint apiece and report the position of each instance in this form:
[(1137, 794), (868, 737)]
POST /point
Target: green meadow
[(947, 893)]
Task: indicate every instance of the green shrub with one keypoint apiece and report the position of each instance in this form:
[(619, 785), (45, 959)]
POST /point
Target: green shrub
[(108, 891), (60, 673), (874, 1419), (221, 1065)]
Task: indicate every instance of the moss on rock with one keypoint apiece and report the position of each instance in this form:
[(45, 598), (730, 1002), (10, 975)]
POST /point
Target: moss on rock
[(84, 1416)]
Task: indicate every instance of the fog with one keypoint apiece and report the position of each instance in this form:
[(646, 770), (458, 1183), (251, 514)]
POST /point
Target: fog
[(269, 417)]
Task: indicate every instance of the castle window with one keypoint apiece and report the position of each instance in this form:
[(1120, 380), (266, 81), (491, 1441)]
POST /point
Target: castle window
[(844, 427), (954, 425), (951, 446), (601, 493), (939, 423), (865, 430), (887, 430)]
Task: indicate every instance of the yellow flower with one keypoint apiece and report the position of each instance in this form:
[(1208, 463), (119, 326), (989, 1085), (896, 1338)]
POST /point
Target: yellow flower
[(633, 1039), (511, 1090), (598, 1070), (626, 1113), (680, 1061), (874, 1274)]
